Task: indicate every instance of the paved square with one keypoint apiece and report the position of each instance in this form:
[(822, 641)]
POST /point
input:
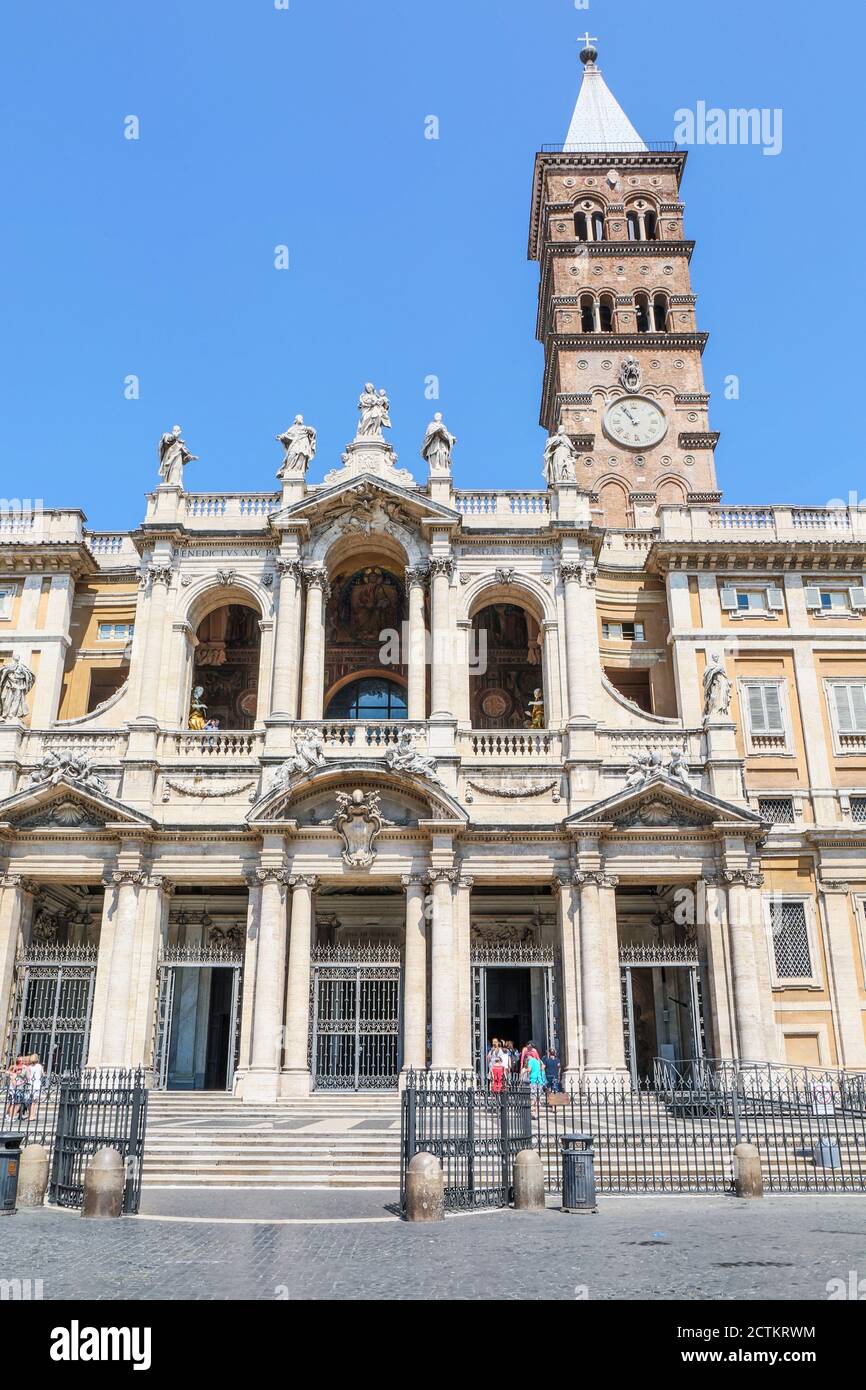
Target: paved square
[(308, 1245)]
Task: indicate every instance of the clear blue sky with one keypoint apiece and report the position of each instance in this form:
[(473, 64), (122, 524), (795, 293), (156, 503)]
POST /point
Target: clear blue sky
[(408, 257)]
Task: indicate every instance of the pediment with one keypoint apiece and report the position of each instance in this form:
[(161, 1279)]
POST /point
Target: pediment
[(309, 799), (364, 492), (664, 803), (66, 805)]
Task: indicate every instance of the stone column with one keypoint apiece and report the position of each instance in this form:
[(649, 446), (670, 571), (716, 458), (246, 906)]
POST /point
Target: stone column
[(114, 968), (463, 972), (151, 929), (443, 1001), (53, 646), (312, 688), (415, 979), (599, 973), (296, 1078), (284, 695), (416, 657), (16, 909), (261, 1082), (580, 647), (841, 961), (749, 1021), (159, 579), (569, 924), (251, 948), (441, 570)]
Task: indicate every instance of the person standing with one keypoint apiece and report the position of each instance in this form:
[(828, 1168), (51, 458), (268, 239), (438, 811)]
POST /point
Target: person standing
[(550, 1062), (535, 1068)]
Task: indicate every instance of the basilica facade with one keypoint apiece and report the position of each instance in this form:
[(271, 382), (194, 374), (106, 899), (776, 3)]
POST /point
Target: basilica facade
[(302, 788)]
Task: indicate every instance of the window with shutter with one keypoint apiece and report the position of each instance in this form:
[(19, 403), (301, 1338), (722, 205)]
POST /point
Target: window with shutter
[(775, 601), (814, 598), (857, 596), (728, 598), (850, 701)]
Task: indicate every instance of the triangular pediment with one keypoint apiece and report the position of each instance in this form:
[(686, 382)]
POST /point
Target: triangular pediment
[(664, 803), (365, 491), (64, 804), (297, 798)]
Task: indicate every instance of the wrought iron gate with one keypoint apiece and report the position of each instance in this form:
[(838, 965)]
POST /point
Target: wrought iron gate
[(176, 958), (355, 1018), (525, 955), (51, 1006)]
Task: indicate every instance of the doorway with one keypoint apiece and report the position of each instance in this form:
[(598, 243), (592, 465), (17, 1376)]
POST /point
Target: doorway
[(514, 1003), (662, 1017), (197, 1027)]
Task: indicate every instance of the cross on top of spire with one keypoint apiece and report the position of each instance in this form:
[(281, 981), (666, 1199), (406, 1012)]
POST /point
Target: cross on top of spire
[(588, 52), (587, 41)]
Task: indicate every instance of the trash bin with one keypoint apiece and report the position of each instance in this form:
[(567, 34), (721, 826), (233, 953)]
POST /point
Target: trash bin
[(578, 1173), (10, 1158), (826, 1153)]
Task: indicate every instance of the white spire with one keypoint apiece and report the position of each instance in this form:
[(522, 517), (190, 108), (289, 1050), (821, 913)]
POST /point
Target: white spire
[(599, 122)]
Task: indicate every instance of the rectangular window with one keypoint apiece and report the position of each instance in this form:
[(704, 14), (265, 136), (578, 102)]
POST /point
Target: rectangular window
[(623, 632), (7, 598), (763, 598), (778, 810), (849, 703), (766, 716), (115, 632), (835, 598), (858, 810), (789, 928)]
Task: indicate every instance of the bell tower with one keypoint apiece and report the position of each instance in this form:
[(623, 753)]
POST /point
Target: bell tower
[(616, 312)]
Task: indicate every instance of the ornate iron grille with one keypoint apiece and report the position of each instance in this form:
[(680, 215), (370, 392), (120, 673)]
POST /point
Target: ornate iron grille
[(791, 940), (355, 1018), (52, 1005), (858, 810), (475, 1134), (98, 1109), (778, 810)]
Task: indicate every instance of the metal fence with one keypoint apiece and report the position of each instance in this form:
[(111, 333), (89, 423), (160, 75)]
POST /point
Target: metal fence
[(809, 1129), (76, 1114), (475, 1134)]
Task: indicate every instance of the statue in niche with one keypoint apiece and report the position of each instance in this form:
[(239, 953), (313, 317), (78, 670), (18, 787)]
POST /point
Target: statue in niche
[(560, 457), (299, 443), (438, 444), (16, 682), (717, 689), (535, 713), (197, 710), (173, 458)]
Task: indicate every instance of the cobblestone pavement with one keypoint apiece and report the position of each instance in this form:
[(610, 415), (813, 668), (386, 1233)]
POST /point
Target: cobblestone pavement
[(635, 1248)]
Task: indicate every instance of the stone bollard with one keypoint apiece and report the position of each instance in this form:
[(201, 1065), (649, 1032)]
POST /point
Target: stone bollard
[(748, 1179), (528, 1181), (33, 1176), (104, 1181), (425, 1189)]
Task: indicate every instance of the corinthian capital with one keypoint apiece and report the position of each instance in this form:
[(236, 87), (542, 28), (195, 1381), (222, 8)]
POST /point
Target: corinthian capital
[(317, 578), (294, 568), (442, 565), (582, 572), (416, 575), (159, 574)]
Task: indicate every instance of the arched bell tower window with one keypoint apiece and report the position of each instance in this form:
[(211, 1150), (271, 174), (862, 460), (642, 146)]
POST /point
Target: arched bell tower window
[(369, 698)]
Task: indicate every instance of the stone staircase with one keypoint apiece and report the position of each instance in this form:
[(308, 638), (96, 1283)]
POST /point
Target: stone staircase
[(327, 1140)]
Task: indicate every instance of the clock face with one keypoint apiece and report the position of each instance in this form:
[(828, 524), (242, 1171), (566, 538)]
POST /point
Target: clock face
[(635, 422)]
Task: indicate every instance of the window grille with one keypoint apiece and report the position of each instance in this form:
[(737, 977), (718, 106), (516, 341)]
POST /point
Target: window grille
[(790, 940), (779, 810)]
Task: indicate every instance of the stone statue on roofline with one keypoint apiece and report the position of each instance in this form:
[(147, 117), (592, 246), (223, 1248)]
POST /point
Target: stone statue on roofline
[(560, 457), (173, 458), (299, 443), (438, 444)]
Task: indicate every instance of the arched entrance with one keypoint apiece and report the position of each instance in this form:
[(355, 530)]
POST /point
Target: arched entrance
[(226, 666), (507, 643)]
